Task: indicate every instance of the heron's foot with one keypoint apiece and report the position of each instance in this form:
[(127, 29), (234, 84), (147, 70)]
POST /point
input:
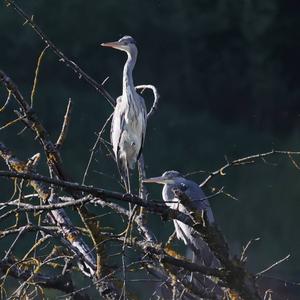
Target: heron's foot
[(128, 231)]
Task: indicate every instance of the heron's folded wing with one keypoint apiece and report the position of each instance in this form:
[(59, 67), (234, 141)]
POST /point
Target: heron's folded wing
[(117, 128), (144, 124), (199, 200)]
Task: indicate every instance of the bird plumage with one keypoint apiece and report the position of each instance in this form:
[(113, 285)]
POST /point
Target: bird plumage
[(128, 130), (172, 180), (128, 127)]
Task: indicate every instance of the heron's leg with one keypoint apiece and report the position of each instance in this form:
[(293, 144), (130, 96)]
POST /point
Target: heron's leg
[(128, 229), (132, 212), (194, 259), (128, 185), (142, 175)]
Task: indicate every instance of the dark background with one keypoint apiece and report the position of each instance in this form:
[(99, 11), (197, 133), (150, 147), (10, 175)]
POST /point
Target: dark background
[(227, 72)]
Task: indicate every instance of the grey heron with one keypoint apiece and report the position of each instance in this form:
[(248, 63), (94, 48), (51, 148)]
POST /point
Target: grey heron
[(174, 180), (128, 127)]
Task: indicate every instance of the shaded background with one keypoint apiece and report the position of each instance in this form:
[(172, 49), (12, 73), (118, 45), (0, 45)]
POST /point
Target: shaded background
[(227, 73)]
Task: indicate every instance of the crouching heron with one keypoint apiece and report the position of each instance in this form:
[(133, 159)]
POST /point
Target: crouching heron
[(174, 180), (128, 127)]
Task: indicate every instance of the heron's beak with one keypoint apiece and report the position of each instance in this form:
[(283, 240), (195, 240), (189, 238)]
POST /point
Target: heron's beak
[(159, 180), (116, 45)]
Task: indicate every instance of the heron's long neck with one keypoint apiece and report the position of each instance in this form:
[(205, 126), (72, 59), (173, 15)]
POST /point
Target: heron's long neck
[(127, 72)]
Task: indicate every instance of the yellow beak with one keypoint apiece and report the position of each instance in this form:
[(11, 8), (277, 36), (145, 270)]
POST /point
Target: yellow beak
[(159, 180), (116, 45)]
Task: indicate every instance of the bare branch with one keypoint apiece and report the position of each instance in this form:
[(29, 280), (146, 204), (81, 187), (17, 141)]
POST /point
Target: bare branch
[(210, 234), (273, 265), (12, 122), (70, 234), (37, 73), (247, 160), (62, 282), (243, 255), (6, 102), (55, 164), (65, 126), (62, 57), (94, 148)]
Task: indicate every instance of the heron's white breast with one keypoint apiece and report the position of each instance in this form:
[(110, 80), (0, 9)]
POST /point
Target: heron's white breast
[(129, 123)]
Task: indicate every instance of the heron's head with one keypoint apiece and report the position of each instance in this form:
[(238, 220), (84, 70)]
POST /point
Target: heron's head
[(126, 43), (169, 177)]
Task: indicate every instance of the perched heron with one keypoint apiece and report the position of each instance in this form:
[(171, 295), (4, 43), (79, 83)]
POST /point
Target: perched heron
[(128, 127), (174, 180)]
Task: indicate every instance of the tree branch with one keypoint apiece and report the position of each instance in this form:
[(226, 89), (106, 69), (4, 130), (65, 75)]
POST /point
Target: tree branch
[(62, 283), (247, 160), (62, 57), (70, 234)]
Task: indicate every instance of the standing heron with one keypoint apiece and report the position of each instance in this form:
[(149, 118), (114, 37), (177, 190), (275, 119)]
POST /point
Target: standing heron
[(128, 127), (174, 180)]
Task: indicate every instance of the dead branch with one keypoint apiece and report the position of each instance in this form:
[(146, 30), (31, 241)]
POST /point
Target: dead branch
[(247, 160), (273, 265), (236, 277), (55, 164), (62, 283), (62, 57), (65, 126), (37, 73), (70, 234), (6, 102)]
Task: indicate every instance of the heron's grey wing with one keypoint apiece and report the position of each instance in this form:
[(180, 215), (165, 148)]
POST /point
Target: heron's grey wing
[(117, 126), (144, 123), (200, 201), (195, 193)]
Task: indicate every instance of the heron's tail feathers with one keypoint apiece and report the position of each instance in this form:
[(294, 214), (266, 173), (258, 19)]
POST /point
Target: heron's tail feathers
[(203, 255), (124, 173)]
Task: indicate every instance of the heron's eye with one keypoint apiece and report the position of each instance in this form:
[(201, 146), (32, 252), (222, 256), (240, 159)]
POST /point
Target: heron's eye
[(183, 187)]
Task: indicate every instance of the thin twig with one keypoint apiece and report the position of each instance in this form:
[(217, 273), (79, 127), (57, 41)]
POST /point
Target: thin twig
[(273, 265), (37, 73), (12, 122), (296, 165), (94, 149), (13, 244), (243, 254), (6, 102), (65, 126), (25, 207), (246, 160)]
